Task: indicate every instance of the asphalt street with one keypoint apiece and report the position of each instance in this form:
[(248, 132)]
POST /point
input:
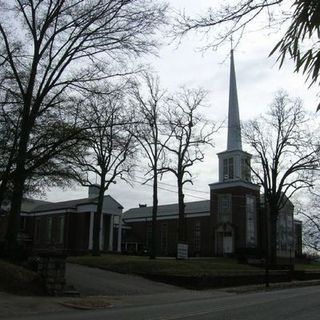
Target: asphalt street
[(295, 303)]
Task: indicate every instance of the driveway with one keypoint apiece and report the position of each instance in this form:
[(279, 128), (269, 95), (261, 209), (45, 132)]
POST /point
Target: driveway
[(93, 281)]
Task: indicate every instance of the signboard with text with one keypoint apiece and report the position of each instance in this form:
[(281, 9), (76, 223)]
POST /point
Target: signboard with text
[(182, 252)]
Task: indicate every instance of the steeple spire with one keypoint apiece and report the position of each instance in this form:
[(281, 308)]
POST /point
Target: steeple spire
[(234, 129)]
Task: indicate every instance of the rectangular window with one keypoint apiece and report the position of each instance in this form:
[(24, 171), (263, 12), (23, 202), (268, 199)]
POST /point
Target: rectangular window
[(251, 222), (245, 169), (164, 238), (37, 229), (225, 169), (23, 223), (228, 169), (197, 236), (49, 229), (149, 236), (60, 236), (225, 207)]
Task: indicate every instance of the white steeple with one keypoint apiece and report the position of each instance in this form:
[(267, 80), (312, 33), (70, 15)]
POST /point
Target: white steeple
[(234, 129)]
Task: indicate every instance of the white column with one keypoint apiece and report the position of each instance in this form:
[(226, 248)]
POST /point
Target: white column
[(91, 231), (110, 247), (119, 234), (101, 233)]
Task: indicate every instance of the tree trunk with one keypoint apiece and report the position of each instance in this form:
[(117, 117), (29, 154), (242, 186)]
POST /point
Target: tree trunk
[(19, 179), (154, 215), (182, 234), (14, 216), (273, 237), (97, 219)]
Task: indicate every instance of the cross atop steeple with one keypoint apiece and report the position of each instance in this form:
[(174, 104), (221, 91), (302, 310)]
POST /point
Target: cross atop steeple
[(234, 129)]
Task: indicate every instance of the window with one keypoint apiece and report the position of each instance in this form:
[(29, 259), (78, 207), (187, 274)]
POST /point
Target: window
[(228, 169), (37, 229), (60, 235), (285, 239), (49, 229), (245, 169), (23, 223), (164, 238), (197, 236), (149, 235), (251, 237), (225, 208)]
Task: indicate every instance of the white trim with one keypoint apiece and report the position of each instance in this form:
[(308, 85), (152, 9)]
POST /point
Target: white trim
[(51, 212), (101, 233), (35, 214), (169, 217), (232, 184), (119, 235), (110, 246), (90, 246)]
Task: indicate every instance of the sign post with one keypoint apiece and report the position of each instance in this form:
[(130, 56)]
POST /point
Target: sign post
[(182, 252)]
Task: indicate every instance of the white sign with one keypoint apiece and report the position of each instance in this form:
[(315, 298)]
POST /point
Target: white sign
[(182, 251)]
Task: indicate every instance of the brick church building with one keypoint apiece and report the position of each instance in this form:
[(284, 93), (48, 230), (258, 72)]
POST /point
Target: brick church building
[(230, 223)]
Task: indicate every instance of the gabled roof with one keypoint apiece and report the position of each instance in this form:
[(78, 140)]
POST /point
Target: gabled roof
[(28, 205), (71, 204), (195, 207)]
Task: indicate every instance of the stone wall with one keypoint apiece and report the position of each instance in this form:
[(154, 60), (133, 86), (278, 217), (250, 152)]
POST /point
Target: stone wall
[(52, 268)]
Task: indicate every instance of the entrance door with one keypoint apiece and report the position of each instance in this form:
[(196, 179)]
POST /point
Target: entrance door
[(219, 243), (227, 243)]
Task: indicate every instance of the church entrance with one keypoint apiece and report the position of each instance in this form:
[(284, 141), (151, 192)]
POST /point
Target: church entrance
[(224, 240)]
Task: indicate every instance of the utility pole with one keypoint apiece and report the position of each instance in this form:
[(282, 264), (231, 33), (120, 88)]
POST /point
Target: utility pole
[(266, 213)]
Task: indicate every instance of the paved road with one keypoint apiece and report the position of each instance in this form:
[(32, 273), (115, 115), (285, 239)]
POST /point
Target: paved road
[(293, 304), (93, 281)]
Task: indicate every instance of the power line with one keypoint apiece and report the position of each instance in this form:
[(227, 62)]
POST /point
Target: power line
[(174, 186), (165, 189), (168, 190)]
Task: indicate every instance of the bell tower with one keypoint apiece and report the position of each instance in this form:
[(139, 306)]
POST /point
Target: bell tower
[(234, 198)]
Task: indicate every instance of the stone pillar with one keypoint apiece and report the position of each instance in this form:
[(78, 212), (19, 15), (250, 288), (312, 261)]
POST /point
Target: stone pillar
[(91, 231), (52, 268), (110, 247), (119, 234)]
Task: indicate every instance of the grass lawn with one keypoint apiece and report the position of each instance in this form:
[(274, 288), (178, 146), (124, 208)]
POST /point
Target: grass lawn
[(313, 266), (165, 266), (18, 280)]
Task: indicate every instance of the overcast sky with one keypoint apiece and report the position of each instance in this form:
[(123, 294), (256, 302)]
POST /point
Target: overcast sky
[(258, 78)]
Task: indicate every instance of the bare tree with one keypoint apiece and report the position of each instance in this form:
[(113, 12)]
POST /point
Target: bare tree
[(111, 148), (286, 155), (56, 48), (299, 42), (189, 132), (149, 108)]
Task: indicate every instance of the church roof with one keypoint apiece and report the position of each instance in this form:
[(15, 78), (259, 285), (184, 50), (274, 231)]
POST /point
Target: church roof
[(71, 204), (194, 208)]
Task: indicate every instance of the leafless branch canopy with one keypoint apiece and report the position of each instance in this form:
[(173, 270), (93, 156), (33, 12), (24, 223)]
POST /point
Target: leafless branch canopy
[(110, 147), (308, 210), (226, 21), (285, 149), (189, 131)]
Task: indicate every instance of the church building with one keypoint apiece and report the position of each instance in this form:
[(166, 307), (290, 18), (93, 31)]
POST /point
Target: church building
[(234, 200), (230, 223)]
